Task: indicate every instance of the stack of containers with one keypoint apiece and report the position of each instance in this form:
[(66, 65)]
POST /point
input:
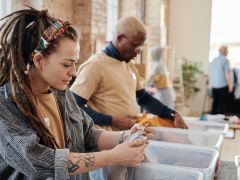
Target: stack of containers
[(197, 158), (194, 149), (206, 126), (190, 137), (237, 163)]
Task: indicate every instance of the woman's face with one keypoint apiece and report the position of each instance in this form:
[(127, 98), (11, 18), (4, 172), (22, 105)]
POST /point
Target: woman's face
[(58, 68)]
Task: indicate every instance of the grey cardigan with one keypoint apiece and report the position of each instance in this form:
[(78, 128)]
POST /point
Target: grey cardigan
[(22, 156)]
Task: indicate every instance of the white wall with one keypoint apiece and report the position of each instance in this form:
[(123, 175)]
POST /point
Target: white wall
[(189, 29), (189, 35), (5, 7)]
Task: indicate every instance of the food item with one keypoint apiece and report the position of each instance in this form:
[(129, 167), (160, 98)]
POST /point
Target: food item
[(155, 121), (138, 135), (152, 120)]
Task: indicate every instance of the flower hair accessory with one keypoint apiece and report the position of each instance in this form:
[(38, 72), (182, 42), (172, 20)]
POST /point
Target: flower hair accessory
[(57, 28)]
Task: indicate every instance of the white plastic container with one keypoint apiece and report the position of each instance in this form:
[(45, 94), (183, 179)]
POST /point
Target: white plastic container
[(237, 163), (150, 171), (183, 136), (197, 158), (215, 118), (213, 127)]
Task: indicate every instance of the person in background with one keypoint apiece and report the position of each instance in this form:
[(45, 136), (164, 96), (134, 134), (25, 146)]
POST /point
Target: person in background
[(236, 92), (108, 85), (44, 134), (221, 81), (159, 79)]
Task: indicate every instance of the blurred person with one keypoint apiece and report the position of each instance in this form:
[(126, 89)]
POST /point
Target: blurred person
[(220, 81), (236, 92), (159, 78)]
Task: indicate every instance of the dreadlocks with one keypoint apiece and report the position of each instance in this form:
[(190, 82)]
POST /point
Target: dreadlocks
[(19, 37)]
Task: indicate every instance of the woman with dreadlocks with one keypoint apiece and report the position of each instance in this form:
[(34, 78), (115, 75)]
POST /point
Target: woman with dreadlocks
[(43, 133)]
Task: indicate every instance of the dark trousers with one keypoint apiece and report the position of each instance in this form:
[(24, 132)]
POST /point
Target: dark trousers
[(220, 100)]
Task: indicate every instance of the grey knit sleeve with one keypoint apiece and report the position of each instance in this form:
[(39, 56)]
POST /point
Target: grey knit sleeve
[(20, 149)]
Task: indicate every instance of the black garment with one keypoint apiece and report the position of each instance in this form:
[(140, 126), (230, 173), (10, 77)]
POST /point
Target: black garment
[(153, 105), (220, 100), (235, 76), (98, 118), (236, 109), (235, 102)]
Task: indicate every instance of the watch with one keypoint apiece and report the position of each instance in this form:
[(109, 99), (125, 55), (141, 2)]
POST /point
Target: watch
[(172, 115)]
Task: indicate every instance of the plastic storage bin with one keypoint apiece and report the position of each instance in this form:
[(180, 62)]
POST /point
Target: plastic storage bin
[(150, 171), (197, 158), (183, 136), (237, 163), (213, 127)]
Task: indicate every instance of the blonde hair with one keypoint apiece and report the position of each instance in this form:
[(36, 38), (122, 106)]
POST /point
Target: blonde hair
[(223, 49), (130, 26)]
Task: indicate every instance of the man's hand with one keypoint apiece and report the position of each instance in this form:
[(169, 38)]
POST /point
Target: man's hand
[(178, 121), (230, 89), (152, 90), (124, 123)]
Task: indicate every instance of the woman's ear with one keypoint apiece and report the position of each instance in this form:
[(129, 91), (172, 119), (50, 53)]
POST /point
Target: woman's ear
[(38, 60)]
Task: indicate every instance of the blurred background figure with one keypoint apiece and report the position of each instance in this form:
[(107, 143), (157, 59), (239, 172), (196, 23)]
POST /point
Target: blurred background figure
[(221, 81), (236, 91), (159, 82)]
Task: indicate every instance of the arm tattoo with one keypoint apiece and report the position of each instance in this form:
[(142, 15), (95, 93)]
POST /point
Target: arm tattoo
[(75, 163), (72, 167)]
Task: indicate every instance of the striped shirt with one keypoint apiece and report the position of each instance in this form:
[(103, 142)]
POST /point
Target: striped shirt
[(23, 156)]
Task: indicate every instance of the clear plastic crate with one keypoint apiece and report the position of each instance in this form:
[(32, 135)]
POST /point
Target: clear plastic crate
[(237, 164), (213, 127), (150, 171), (183, 136), (197, 158)]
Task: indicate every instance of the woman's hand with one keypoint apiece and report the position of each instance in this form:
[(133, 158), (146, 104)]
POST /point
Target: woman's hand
[(128, 153), (148, 131)]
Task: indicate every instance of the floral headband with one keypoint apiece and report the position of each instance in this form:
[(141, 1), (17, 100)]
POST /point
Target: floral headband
[(57, 28)]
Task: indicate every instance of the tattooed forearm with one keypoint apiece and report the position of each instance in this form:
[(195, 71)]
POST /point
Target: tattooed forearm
[(89, 159), (72, 167), (80, 160)]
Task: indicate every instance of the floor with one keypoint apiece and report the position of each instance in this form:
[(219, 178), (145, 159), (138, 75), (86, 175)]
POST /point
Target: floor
[(230, 148), (227, 171)]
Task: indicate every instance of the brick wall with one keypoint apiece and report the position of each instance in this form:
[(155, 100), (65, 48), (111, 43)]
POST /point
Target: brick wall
[(152, 21), (99, 23), (90, 16), (129, 8), (82, 19), (18, 4), (61, 9)]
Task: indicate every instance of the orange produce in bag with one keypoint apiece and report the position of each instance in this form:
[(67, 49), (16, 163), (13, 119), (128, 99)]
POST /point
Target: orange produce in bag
[(155, 121)]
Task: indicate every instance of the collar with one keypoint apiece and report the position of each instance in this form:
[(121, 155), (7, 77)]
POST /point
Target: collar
[(111, 51)]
